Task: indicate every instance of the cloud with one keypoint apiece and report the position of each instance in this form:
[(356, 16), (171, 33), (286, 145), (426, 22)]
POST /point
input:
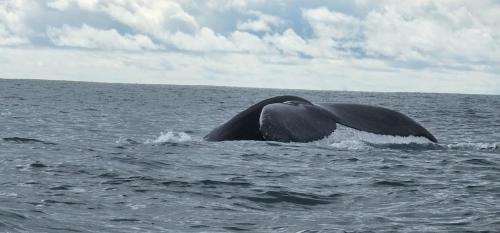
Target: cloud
[(164, 21), (351, 45), (232, 4), (434, 31), (89, 37), (429, 33), (221, 69), (8, 38), (65, 4), (156, 18), (262, 23), (13, 13), (203, 40), (290, 43), (250, 43), (331, 24)]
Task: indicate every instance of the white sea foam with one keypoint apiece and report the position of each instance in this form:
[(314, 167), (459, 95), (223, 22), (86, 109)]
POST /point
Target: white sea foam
[(7, 113), (121, 141), (351, 139), (474, 146), (170, 136), (351, 145)]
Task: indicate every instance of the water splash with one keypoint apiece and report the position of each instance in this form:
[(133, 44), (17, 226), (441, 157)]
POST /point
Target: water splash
[(351, 139), (474, 146), (125, 141), (170, 136), (351, 145)]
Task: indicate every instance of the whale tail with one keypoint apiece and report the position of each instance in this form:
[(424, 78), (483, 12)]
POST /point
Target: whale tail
[(291, 118)]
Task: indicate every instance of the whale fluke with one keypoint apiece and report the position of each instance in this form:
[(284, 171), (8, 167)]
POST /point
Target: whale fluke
[(294, 119)]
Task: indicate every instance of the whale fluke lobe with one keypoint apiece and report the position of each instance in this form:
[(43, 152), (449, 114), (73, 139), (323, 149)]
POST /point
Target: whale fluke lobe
[(295, 122), (294, 119), (245, 125), (376, 120)]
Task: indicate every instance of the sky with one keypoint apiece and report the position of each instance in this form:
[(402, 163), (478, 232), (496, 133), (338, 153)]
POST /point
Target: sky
[(445, 46)]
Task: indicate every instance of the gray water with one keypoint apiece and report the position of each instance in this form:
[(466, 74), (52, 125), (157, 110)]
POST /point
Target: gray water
[(89, 157)]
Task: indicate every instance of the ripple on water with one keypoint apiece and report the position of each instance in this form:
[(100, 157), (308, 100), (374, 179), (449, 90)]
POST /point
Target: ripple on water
[(481, 162), (61, 187), (5, 214), (55, 202), (27, 140), (224, 183), (129, 179), (394, 183), (124, 220), (38, 164), (305, 199)]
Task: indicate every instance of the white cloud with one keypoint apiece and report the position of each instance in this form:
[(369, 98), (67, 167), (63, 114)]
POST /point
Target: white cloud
[(204, 40), (367, 45), (232, 4), (435, 31), (331, 24), (335, 34), (156, 18), (248, 42), (221, 69), (65, 4), (290, 43), (262, 23), (89, 37), (13, 13), (8, 38), (165, 21)]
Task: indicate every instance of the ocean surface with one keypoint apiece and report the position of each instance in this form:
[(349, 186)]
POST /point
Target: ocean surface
[(94, 157)]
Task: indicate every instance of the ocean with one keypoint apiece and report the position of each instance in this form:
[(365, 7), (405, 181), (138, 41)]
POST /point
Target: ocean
[(96, 157)]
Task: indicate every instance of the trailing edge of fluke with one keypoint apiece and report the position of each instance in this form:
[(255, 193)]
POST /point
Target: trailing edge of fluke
[(294, 119)]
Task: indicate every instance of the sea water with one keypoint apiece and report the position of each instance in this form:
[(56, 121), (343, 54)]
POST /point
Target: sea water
[(94, 157)]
